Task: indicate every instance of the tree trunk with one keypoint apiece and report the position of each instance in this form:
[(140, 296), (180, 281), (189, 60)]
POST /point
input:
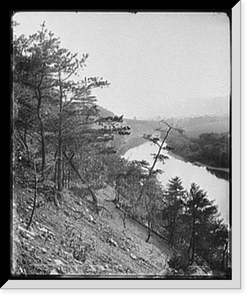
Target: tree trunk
[(149, 234), (223, 256), (42, 132), (68, 176), (84, 182), (192, 242), (153, 165), (171, 234), (34, 198), (59, 181), (63, 174), (55, 178)]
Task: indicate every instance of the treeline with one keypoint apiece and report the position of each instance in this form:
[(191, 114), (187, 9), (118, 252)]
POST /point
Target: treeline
[(211, 149)]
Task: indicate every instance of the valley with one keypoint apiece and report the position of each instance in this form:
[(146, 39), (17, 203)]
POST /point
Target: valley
[(96, 194)]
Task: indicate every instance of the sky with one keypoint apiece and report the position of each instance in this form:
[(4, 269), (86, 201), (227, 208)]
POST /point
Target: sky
[(155, 62)]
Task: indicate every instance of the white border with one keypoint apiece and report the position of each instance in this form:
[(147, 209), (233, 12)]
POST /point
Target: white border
[(235, 283), (236, 145)]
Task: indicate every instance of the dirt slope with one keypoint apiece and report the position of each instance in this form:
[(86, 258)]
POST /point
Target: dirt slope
[(72, 240)]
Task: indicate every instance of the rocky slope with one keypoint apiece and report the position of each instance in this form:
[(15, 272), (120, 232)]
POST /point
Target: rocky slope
[(73, 241)]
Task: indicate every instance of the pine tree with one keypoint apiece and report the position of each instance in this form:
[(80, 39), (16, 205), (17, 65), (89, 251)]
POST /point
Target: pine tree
[(174, 200), (201, 213), (66, 110)]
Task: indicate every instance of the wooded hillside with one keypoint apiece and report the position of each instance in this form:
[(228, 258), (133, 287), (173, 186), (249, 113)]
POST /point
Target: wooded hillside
[(63, 148)]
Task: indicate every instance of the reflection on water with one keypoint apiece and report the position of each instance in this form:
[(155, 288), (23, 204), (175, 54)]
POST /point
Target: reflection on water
[(217, 188)]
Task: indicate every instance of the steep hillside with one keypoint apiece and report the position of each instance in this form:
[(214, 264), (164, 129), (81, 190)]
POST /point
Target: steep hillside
[(72, 240)]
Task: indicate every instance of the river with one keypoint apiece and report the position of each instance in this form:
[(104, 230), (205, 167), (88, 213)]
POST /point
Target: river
[(217, 189)]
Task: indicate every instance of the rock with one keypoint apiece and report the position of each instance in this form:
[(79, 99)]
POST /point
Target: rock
[(58, 262), (142, 260), (66, 213), (163, 273), (43, 250), (77, 261), (91, 219), (27, 234), (123, 247), (120, 268), (113, 242), (133, 256), (54, 272), (101, 268)]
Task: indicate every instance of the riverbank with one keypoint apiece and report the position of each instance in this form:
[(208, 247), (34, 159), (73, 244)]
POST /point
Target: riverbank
[(222, 173), (132, 144), (199, 164)]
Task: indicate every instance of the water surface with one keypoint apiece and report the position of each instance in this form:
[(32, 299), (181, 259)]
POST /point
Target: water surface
[(217, 189)]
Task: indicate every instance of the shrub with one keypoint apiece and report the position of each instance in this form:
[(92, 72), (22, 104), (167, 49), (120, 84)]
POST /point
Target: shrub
[(179, 261)]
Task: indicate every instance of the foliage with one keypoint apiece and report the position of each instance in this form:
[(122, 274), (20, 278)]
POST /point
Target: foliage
[(211, 149), (174, 200), (58, 124), (54, 112)]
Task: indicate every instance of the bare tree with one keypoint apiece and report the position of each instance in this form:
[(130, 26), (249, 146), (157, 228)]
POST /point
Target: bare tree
[(151, 171), (158, 156)]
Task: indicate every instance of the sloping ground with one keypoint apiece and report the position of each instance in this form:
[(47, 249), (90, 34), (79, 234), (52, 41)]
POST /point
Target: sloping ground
[(118, 218), (72, 240)]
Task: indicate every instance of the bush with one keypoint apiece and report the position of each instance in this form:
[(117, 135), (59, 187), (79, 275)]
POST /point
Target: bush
[(179, 261)]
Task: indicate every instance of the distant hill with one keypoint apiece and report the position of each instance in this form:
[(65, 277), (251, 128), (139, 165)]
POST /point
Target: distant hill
[(198, 107), (193, 127)]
